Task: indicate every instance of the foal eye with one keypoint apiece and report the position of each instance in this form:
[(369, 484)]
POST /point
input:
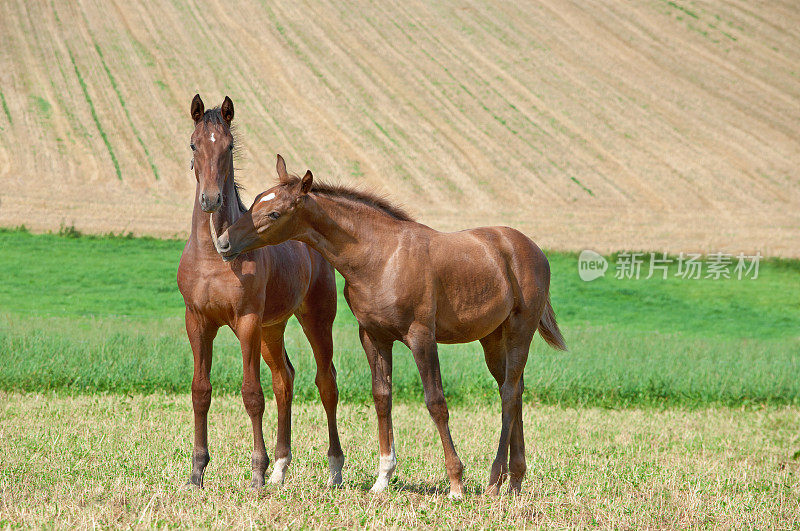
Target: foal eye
[(274, 215), (192, 146)]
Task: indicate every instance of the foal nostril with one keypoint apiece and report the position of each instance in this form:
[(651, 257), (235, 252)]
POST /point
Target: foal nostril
[(210, 204), (223, 244)]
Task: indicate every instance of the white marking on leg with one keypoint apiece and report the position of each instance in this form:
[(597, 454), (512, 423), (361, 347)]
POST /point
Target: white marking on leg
[(267, 197), (335, 464), (212, 137), (386, 466), (279, 471)]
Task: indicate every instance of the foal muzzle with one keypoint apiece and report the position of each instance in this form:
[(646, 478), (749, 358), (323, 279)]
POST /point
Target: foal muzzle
[(210, 203)]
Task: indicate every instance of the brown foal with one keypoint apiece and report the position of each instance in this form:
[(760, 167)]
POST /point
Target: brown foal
[(255, 295), (407, 282)]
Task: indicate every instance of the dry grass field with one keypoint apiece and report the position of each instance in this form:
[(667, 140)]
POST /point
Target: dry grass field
[(120, 461), (665, 125)]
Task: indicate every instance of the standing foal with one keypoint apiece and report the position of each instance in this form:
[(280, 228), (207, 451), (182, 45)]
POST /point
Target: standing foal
[(255, 295), (407, 282)]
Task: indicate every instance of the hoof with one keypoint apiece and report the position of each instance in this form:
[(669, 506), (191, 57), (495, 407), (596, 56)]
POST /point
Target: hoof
[(386, 467), (515, 489), (379, 487), (492, 490), (257, 483), (497, 476), (279, 472), (456, 490), (189, 486), (380, 484), (195, 481), (335, 465)]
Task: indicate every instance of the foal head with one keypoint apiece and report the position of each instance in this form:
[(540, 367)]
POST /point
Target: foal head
[(272, 218), (212, 150)]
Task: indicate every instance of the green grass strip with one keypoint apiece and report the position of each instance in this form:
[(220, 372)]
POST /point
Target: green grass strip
[(5, 108), (94, 116), (125, 109), (103, 314), (685, 10)]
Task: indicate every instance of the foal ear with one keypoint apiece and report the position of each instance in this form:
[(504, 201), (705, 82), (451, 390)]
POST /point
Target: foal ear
[(306, 182), (197, 108), (281, 168), (227, 110)]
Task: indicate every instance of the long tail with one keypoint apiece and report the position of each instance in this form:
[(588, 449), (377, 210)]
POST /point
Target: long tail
[(548, 328)]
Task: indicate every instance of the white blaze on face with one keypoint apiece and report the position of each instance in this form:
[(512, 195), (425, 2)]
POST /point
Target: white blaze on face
[(267, 197), (212, 138)]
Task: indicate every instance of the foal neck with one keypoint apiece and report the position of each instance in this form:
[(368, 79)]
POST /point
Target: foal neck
[(227, 214), (351, 237)]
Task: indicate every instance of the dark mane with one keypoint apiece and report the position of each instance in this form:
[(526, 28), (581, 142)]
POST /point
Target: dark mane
[(357, 195), (214, 117)]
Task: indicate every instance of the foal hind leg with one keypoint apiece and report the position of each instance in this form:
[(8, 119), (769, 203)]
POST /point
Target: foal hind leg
[(518, 344), (494, 351), (249, 334), (506, 352), (517, 465), (317, 328), (274, 354), (201, 334), (422, 342)]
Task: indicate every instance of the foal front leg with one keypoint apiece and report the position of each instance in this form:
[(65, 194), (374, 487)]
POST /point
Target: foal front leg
[(248, 330), (319, 336), (201, 334), (379, 356), (274, 353)]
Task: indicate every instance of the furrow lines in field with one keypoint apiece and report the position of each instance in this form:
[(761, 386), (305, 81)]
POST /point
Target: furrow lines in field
[(597, 100), (437, 149), (316, 117), (672, 115), (478, 111), (460, 73), (719, 93), (525, 95), (505, 85), (366, 96)]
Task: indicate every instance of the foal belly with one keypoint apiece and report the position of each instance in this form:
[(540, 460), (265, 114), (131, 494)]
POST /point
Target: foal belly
[(468, 331), (463, 325)]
